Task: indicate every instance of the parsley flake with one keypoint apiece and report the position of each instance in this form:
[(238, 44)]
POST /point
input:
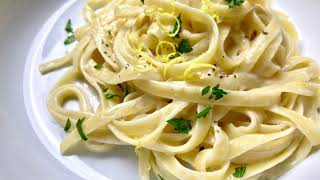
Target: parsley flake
[(67, 126), (176, 28), (184, 46), (142, 1), (80, 130), (69, 40), (205, 90), (233, 3), (239, 172), (68, 27), (204, 112), (109, 96), (181, 125), (217, 93), (98, 66)]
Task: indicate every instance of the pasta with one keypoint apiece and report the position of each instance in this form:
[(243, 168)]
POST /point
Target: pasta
[(210, 89)]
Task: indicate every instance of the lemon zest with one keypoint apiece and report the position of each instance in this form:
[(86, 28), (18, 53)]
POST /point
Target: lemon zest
[(159, 13), (165, 50), (177, 29)]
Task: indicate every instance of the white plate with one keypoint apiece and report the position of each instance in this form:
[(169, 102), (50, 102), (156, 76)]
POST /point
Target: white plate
[(37, 27)]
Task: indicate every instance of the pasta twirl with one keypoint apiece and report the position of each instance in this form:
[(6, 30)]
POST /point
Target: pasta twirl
[(206, 89)]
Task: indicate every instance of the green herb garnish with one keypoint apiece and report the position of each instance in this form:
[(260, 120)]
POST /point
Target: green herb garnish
[(142, 1), (205, 90), (69, 40), (67, 126), (109, 96), (181, 125), (233, 3), (204, 112), (68, 27), (160, 177), (239, 171), (98, 66), (184, 46), (177, 28), (217, 93), (80, 130)]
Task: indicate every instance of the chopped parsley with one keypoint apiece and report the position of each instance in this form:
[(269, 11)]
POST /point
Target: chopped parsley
[(70, 38), (80, 130), (98, 66), (142, 1), (68, 27), (204, 112), (160, 177), (177, 28), (184, 46), (216, 92), (181, 125), (205, 90), (239, 172), (233, 3), (67, 126), (109, 96)]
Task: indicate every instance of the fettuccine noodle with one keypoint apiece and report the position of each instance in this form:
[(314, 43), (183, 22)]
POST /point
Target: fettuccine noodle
[(265, 118)]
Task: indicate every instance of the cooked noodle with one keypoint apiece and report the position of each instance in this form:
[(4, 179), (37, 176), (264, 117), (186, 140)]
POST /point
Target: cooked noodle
[(267, 120)]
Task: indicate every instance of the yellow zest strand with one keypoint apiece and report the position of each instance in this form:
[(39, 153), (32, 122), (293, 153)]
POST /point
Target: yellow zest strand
[(165, 50)]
